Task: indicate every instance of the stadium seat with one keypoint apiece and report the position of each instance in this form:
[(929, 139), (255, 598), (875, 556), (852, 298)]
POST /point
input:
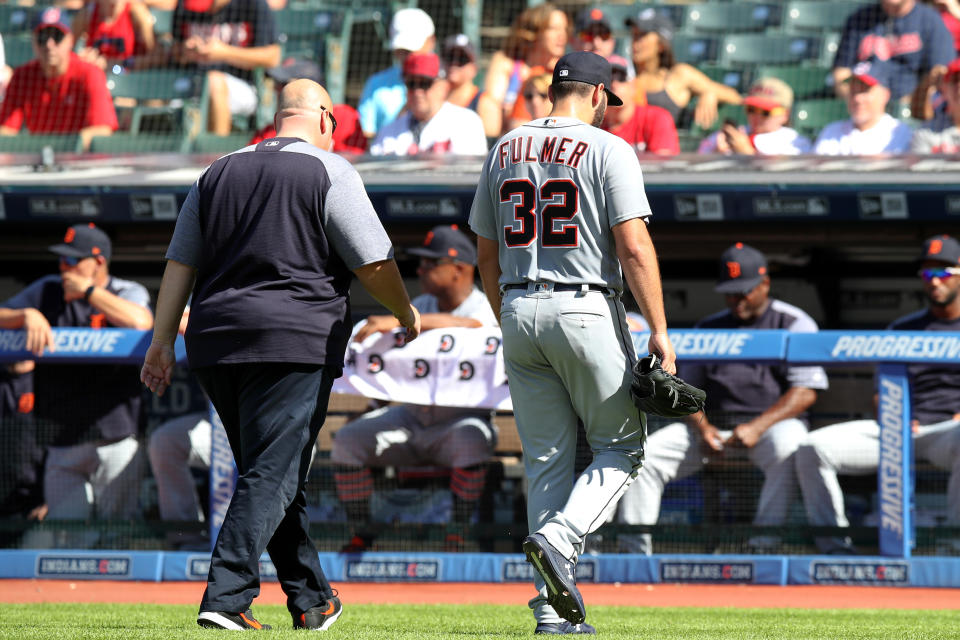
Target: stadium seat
[(162, 20), (15, 19), (732, 17), (209, 143), (738, 79), (760, 48), (24, 142), (181, 95), (811, 116), (694, 49), (18, 48), (816, 16), (806, 82), (123, 142), (828, 48)]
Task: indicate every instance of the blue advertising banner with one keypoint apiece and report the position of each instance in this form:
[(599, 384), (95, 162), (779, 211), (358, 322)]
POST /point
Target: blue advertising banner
[(838, 347), (894, 475), (723, 344), (80, 344)]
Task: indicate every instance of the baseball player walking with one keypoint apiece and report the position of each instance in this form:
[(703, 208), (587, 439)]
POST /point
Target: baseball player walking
[(560, 215)]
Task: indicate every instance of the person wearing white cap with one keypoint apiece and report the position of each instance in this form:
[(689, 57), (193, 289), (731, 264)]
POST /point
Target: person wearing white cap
[(384, 94), (870, 129)]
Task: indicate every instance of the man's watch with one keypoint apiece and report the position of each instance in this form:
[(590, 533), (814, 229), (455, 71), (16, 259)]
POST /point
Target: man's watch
[(88, 292)]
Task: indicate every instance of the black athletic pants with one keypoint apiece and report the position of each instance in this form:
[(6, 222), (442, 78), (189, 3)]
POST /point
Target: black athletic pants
[(272, 413)]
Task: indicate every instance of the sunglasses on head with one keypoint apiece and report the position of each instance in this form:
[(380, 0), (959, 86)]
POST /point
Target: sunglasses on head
[(457, 59), (333, 121), (50, 32), (941, 273), (413, 84)]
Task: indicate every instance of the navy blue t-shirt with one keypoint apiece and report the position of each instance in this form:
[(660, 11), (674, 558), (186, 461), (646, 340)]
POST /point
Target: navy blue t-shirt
[(742, 390), (242, 23), (934, 389), (914, 43)]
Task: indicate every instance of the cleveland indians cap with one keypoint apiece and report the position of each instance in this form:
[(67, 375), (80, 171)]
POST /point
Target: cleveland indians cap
[(741, 269), (51, 17), (942, 248), (83, 241), (874, 72), (447, 241), (588, 67)]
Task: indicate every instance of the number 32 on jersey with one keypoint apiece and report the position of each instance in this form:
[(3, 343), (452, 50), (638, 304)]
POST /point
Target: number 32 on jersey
[(542, 212)]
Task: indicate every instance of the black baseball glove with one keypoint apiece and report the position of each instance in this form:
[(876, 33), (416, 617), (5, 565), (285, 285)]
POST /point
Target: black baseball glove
[(655, 391)]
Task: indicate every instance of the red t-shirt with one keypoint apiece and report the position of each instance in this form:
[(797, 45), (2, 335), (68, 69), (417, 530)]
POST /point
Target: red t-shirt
[(651, 129), (115, 39), (348, 137), (65, 104)]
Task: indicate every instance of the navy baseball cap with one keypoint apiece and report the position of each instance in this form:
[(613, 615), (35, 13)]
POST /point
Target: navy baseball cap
[(588, 67), (942, 248), (83, 241), (874, 72), (589, 17), (51, 17), (741, 269), (447, 241)]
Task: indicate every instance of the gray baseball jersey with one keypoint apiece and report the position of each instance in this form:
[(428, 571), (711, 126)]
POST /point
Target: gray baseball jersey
[(549, 192)]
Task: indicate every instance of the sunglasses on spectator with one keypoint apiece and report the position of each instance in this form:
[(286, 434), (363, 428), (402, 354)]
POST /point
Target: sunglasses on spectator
[(413, 84), (764, 112), (618, 75), (941, 273), (457, 59), (333, 121), (597, 31), (50, 32), (529, 96)]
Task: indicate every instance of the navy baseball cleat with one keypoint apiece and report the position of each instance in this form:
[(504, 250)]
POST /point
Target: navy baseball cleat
[(231, 621), (321, 617), (563, 628), (557, 572)]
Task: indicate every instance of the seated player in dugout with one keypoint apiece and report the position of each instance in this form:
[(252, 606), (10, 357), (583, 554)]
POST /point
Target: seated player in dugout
[(754, 410), (461, 439)]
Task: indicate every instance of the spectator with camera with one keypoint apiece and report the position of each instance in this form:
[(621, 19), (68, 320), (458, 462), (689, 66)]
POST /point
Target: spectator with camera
[(57, 93), (768, 103), (114, 32), (430, 123), (870, 130)]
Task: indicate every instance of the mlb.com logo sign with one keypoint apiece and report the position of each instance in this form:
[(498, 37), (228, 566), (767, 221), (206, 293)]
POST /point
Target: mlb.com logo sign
[(522, 571)]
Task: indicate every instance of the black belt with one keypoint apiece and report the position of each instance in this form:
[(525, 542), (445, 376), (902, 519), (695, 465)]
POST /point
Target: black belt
[(560, 286)]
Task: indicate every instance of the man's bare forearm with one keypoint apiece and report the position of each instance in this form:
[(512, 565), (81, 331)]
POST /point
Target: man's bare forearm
[(175, 289), (382, 281)]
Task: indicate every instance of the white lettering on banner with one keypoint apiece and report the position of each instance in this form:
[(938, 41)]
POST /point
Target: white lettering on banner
[(221, 476), (85, 341), (705, 344), (892, 346), (891, 468), (13, 340)]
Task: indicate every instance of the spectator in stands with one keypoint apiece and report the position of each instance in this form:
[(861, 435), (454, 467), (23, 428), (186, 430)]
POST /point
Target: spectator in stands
[(909, 35), (114, 32), (347, 136), (90, 413), (535, 94), (594, 32), (870, 129), (412, 435), (753, 409), (648, 128), (942, 135), (460, 61), (854, 447), (666, 83), (768, 103), (226, 40), (5, 71), (57, 92), (384, 94), (950, 14), (22, 451), (537, 39), (430, 124)]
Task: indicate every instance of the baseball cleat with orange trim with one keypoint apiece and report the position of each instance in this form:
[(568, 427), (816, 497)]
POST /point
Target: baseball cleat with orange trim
[(241, 621), (319, 618)]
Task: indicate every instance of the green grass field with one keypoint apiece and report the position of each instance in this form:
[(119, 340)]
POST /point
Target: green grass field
[(398, 622)]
